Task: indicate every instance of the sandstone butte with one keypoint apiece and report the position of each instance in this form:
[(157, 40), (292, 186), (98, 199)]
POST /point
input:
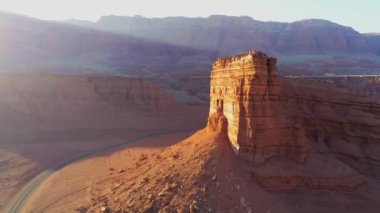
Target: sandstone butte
[(293, 130), (245, 89)]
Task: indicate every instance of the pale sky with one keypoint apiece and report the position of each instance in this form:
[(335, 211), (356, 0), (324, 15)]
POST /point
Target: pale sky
[(362, 15)]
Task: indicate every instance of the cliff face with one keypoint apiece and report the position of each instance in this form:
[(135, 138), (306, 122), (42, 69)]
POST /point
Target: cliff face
[(299, 120), (246, 90), (337, 122), (132, 92), (363, 85), (47, 100)]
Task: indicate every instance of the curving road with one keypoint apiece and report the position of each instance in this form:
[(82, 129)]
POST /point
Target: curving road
[(22, 196)]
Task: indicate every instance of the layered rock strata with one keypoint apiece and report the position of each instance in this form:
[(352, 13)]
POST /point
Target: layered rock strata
[(246, 90), (363, 85), (132, 92)]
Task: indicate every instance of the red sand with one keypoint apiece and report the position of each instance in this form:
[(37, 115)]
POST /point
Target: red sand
[(198, 174)]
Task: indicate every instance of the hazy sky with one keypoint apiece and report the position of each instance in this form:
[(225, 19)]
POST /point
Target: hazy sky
[(362, 15)]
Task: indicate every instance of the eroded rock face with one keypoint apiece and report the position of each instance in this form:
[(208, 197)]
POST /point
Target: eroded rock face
[(246, 89), (363, 85), (278, 123), (217, 122), (132, 92)]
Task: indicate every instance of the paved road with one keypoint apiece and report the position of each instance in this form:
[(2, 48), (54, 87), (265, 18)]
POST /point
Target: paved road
[(22, 196)]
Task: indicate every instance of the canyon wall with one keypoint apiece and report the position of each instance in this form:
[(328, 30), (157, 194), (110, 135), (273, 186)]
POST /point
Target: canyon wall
[(132, 92), (34, 99), (363, 85), (246, 89)]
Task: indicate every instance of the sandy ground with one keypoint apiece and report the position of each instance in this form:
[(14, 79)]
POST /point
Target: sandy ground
[(198, 174), (75, 184), (46, 119)]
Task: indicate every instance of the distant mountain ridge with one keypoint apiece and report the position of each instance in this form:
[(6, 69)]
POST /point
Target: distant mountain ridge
[(373, 39), (28, 44), (230, 35), (181, 47)]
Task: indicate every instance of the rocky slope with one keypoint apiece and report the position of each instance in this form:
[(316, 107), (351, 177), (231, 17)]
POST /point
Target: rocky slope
[(202, 174)]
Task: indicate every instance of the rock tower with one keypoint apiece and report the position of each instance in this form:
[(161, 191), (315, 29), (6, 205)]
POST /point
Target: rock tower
[(244, 92)]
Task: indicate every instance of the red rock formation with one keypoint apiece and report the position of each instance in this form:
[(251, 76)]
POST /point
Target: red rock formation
[(246, 90), (337, 122), (278, 123), (217, 122)]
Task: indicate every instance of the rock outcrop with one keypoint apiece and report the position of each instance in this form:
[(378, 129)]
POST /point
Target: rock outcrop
[(337, 122), (246, 89), (297, 133)]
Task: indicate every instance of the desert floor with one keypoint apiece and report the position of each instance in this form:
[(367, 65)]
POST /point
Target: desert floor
[(46, 119)]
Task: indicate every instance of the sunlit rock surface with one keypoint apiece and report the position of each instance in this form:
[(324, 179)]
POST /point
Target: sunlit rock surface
[(246, 89)]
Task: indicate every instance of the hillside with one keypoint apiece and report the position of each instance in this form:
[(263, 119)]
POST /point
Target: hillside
[(305, 47), (28, 44), (229, 35), (373, 39)]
